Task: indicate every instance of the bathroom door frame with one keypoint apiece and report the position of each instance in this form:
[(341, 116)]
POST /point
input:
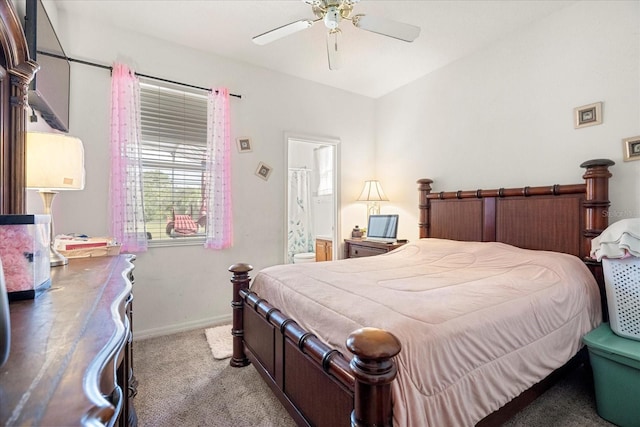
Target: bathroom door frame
[(318, 141)]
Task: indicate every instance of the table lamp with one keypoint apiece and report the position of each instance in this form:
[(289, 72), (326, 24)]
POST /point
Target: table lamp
[(54, 162), (372, 194)]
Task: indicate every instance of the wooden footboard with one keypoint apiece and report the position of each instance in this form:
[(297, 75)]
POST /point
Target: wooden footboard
[(317, 384)]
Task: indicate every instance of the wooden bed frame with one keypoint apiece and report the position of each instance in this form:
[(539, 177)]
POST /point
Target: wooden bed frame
[(321, 387)]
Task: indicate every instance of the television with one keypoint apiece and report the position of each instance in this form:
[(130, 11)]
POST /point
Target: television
[(382, 228), (49, 89)]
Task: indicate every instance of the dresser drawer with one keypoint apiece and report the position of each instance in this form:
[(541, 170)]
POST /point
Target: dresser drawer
[(358, 248), (356, 251)]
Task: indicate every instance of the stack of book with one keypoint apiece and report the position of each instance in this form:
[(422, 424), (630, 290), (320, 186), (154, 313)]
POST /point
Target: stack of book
[(84, 246)]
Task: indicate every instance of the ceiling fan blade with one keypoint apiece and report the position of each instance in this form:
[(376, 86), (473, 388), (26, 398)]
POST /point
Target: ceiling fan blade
[(283, 31), (333, 52), (387, 27)]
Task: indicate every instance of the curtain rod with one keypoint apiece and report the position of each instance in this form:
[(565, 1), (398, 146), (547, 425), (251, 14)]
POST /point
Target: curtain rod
[(108, 67)]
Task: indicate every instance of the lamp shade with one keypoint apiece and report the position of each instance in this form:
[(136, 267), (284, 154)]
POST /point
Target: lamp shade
[(372, 192), (54, 162)]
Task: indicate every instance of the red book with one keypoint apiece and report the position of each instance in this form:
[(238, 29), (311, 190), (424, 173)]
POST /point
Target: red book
[(86, 245)]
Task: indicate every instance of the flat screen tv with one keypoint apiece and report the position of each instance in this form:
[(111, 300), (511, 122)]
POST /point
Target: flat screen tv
[(49, 89)]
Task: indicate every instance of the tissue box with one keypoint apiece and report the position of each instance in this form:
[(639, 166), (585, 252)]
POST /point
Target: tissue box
[(24, 253)]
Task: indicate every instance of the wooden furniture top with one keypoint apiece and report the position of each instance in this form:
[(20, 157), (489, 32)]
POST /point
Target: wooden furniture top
[(63, 341)]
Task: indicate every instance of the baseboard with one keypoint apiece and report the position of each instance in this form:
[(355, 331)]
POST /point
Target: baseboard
[(181, 327)]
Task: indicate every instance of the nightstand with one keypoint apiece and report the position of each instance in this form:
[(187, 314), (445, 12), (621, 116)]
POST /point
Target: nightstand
[(357, 248)]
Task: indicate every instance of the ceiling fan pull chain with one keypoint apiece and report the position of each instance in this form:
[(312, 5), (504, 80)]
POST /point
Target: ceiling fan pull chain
[(333, 52)]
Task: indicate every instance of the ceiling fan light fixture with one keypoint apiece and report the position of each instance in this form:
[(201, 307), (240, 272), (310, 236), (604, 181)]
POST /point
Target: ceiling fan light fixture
[(332, 18)]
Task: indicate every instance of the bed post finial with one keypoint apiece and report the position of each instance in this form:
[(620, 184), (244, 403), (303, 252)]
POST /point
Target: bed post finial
[(596, 199), (374, 371), (424, 188), (240, 282)]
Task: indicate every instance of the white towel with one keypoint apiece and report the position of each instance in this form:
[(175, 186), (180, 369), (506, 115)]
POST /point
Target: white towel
[(620, 240)]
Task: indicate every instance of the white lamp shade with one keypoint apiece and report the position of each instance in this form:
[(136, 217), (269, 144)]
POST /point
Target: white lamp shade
[(372, 192), (54, 162)]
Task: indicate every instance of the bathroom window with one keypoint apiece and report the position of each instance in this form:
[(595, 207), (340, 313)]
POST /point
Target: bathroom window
[(324, 167)]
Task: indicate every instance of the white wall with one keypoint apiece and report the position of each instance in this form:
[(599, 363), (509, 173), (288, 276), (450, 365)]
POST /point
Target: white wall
[(184, 287), (504, 116)]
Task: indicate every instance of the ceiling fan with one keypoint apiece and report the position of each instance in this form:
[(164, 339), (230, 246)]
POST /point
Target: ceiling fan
[(331, 12)]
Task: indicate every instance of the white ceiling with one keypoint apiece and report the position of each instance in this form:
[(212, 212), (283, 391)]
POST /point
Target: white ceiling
[(372, 65)]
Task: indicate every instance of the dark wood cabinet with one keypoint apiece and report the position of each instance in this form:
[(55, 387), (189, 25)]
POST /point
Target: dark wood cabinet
[(16, 71), (357, 248), (324, 250), (70, 359)]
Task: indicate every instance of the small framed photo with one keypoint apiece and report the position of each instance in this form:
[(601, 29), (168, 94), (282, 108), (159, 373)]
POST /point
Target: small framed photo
[(631, 148), (244, 144), (264, 170), (588, 115)]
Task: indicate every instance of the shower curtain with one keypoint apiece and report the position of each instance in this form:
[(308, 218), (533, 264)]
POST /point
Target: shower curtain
[(300, 229)]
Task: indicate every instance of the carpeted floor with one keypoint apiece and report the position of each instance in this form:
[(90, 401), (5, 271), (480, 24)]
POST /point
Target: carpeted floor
[(180, 383)]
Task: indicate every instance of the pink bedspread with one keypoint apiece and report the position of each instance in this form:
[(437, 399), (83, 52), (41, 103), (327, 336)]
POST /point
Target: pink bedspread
[(479, 322)]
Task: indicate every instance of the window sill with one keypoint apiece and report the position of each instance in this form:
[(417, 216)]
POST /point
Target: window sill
[(178, 241)]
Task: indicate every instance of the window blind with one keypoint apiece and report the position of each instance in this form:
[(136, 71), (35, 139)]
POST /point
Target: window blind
[(173, 144)]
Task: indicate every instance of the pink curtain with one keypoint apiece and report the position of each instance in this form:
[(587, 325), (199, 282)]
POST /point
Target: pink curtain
[(126, 208), (218, 171)]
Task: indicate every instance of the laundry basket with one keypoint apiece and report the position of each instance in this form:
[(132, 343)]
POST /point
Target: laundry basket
[(622, 285)]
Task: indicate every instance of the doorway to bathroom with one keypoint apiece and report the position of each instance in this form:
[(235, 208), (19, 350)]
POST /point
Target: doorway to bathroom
[(312, 198)]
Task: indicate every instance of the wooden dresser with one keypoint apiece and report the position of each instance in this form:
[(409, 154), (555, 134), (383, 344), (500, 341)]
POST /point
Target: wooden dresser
[(356, 248), (70, 362)]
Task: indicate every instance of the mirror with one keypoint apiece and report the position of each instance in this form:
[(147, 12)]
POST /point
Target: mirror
[(312, 197)]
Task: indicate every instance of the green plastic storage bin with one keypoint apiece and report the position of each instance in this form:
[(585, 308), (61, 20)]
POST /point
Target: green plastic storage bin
[(615, 362)]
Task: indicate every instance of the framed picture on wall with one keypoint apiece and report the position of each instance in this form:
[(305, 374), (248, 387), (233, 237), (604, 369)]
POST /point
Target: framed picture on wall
[(264, 170), (631, 148), (244, 144), (588, 115)]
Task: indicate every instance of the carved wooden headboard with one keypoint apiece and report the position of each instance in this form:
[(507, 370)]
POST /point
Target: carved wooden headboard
[(16, 71), (560, 218)]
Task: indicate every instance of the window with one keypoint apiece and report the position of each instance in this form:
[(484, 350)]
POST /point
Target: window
[(173, 145), (324, 167)]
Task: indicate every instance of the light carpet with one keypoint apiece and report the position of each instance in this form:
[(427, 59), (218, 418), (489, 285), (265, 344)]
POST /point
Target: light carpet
[(220, 341), (181, 384)]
